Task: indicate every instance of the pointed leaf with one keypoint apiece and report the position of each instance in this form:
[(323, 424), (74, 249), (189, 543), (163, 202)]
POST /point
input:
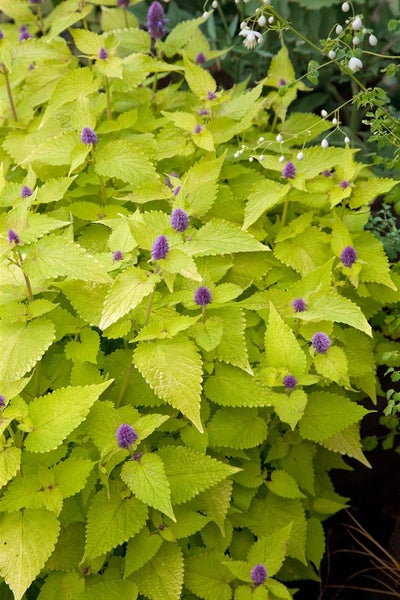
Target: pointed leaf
[(146, 478), (162, 577), (112, 521), (281, 346), (10, 462), (221, 237), (173, 369), (113, 589), (206, 577), (200, 186), (237, 428), (199, 80), (149, 546), (55, 415), (271, 550), (347, 442), (121, 159), (283, 484), (24, 549), (338, 309), (289, 407), (230, 386)]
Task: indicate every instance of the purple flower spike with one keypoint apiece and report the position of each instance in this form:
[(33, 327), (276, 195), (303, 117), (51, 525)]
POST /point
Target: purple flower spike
[(117, 256), (348, 256), (103, 54), (289, 382), (126, 436), (24, 33), (203, 112), (282, 82), (160, 248), (326, 173), (299, 305), (26, 191), (200, 58), (289, 171), (156, 21), (137, 456), (88, 136), (197, 129), (179, 220), (13, 236), (344, 184), (123, 3), (202, 296), (258, 574), (211, 95), (2, 401), (321, 342)]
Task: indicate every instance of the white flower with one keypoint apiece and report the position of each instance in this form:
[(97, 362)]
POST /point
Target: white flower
[(334, 121), (261, 157), (347, 140), (345, 7), (236, 155), (267, 1), (243, 25), (324, 143), (356, 23), (271, 19), (356, 40), (279, 138), (355, 64), (262, 21), (281, 159), (251, 38), (300, 156), (332, 54), (324, 113), (373, 40), (261, 139), (338, 29), (215, 4), (206, 14)]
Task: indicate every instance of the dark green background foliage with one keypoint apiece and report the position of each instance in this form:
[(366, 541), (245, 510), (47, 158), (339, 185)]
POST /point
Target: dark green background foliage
[(233, 469)]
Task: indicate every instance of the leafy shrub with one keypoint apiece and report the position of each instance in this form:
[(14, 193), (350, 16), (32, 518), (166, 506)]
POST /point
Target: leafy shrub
[(184, 331)]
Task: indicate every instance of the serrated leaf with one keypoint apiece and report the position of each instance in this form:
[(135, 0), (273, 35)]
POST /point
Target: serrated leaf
[(289, 407), (86, 349), (315, 543), (112, 521), (281, 346), (209, 334), (237, 428), (200, 185), (165, 326), (147, 480), (69, 548), (366, 190), (113, 589), (181, 35), (278, 589), (22, 345), (54, 256), (53, 190), (62, 586), (24, 549), (126, 293), (206, 577), (326, 414), (173, 369), (305, 252), (86, 297), (339, 309), (347, 442), (198, 79), (149, 546), (122, 159), (71, 475), (375, 265), (283, 484), (333, 366), (299, 463), (232, 348), (219, 237), (265, 195), (271, 550), (215, 502), (190, 472), (162, 577), (87, 41), (179, 262), (55, 415), (230, 386), (10, 462)]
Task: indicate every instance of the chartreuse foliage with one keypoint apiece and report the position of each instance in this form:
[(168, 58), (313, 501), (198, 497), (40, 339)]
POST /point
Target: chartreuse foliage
[(238, 415)]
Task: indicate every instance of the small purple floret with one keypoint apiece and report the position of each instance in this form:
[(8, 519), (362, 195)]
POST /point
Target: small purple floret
[(123, 3), (289, 171), (326, 173), (103, 54), (117, 255), (299, 305), (197, 129), (211, 95), (137, 456), (344, 184), (156, 21), (160, 248), (258, 574), (321, 342), (203, 112), (200, 58), (13, 236), (1, 34), (2, 401), (177, 190), (88, 136), (348, 256), (179, 220), (126, 436), (202, 296), (24, 33), (282, 82), (26, 191), (289, 381)]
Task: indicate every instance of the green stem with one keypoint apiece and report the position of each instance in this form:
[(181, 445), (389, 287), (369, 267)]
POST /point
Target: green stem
[(9, 93), (40, 18), (224, 23), (150, 302), (26, 278), (101, 180), (203, 314), (124, 385), (126, 18), (285, 211), (108, 98)]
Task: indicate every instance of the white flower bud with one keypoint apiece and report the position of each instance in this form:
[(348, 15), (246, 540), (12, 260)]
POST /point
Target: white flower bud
[(356, 40), (279, 138), (243, 25), (236, 155), (338, 29), (324, 143), (206, 14), (261, 139), (300, 156), (345, 7), (324, 113), (334, 121), (261, 157), (281, 159), (355, 64), (347, 140), (262, 21), (373, 40), (271, 19), (251, 159), (267, 1), (332, 54), (356, 23), (215, 4)]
